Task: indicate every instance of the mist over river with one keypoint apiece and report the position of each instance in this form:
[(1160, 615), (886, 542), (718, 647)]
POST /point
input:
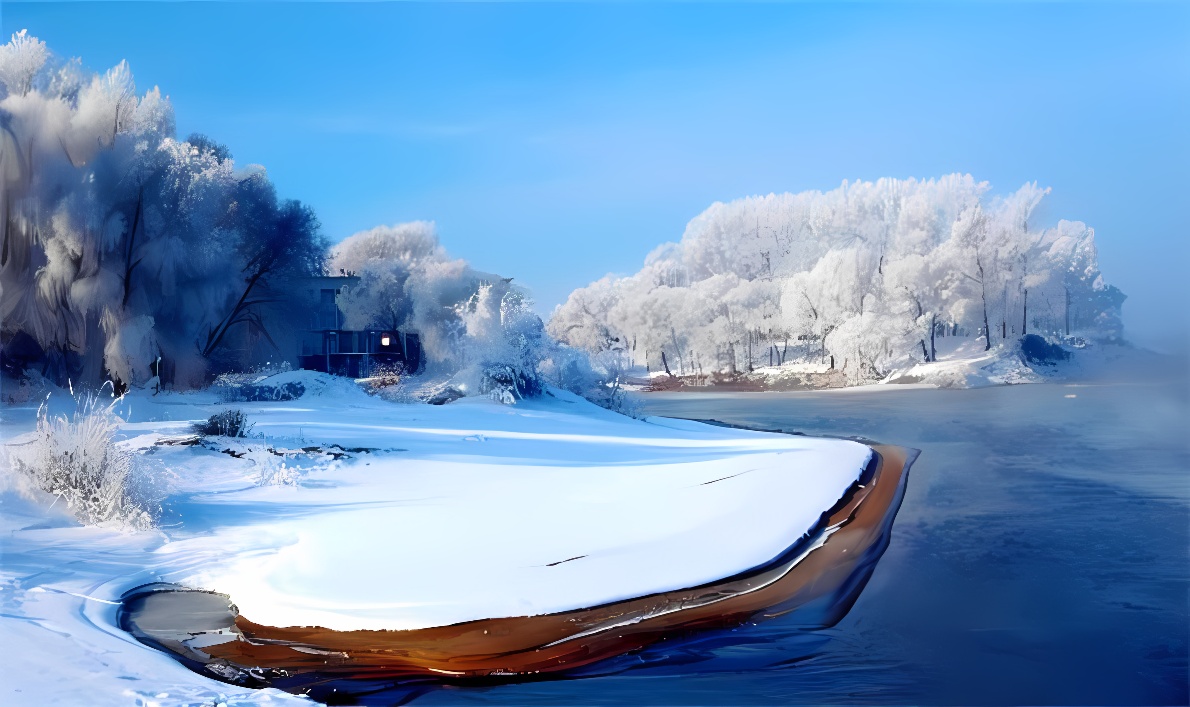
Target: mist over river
[(1040, 557)]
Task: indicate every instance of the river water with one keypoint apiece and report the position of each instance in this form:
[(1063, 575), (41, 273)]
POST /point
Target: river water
[(1041, 556)]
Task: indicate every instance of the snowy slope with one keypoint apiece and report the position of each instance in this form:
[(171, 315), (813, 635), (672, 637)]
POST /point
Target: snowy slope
[(465, 511)]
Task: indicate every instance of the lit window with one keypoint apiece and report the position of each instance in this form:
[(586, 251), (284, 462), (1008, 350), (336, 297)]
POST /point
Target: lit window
[(385, 341)]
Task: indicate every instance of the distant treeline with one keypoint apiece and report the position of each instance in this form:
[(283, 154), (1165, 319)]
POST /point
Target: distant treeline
[(868, 275)]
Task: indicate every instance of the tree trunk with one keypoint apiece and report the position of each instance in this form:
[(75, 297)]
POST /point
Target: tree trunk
[(1067, 289), (129, 265), (983, 290), (1025, 314), (666, 364), (7, 228), (216, 336), (674, 335), (933, 328), (1004, 315)]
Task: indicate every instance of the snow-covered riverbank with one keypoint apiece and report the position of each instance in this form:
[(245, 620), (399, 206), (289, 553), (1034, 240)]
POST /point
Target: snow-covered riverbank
[(346, 511), (961, 363)]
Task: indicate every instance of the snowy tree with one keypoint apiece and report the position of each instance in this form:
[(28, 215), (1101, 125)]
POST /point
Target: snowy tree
[(20, 61), (476, 326), (123, 246), (870, 274)]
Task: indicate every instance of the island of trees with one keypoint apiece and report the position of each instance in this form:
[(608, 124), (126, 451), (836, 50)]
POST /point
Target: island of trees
[(867, 277)]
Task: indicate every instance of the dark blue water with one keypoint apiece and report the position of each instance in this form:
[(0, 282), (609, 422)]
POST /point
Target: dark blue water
[(1041, 556)]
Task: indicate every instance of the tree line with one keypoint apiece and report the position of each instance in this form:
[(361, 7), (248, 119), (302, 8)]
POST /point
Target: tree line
[(868, 276)]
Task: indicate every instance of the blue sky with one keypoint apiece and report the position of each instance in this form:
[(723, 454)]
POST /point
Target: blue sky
[(559, 142)]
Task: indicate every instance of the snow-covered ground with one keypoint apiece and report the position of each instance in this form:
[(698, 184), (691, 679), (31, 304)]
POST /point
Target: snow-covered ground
[(346, 511), (963, 363)]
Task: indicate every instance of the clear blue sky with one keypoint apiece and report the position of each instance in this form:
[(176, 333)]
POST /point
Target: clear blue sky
[(559, 142)]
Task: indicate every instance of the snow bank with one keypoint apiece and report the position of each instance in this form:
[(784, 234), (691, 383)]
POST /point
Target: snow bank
[(441, 542), (490, 511), (286, 385), (962, 363), (967, 365)]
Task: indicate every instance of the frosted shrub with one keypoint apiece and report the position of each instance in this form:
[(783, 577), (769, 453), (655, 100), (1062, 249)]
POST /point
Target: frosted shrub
[(575, 371), (248, 386), (506, 384), (232, 379), (274, 472), (384, 379), (611, 395), (398, 392), (229, 423), (76, 458)]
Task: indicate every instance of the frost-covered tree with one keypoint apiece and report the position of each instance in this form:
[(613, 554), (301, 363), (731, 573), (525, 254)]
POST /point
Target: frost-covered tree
[(125, 252), (476, 325), (20, 61), (868, 275)]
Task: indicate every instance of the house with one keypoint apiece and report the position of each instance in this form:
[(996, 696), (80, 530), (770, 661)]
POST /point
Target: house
[(329, 347)]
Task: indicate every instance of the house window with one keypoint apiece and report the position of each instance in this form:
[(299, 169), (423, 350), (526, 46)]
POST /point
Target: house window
[(312, 343), (328, 310)]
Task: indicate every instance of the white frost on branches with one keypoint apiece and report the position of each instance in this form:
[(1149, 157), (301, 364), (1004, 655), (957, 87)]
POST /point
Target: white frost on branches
[(476, 325), (121, 245), (20, 61), (868, 274)]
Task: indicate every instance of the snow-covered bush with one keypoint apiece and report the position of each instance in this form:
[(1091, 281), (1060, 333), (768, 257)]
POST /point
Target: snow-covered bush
[(276, 471), (440, 394), (1035, 349), (228, 423), (597, 378), (254, 385), (506, 384), (505, 340), (253, 393), (77, 459)]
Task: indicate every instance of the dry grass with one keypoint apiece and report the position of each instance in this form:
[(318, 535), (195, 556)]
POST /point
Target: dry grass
[(76, 458)]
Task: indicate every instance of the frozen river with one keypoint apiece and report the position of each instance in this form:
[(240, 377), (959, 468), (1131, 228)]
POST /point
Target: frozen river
[(1040, 557)]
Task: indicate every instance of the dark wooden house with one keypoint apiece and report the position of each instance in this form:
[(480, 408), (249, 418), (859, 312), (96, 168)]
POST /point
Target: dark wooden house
[(329, 347)]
